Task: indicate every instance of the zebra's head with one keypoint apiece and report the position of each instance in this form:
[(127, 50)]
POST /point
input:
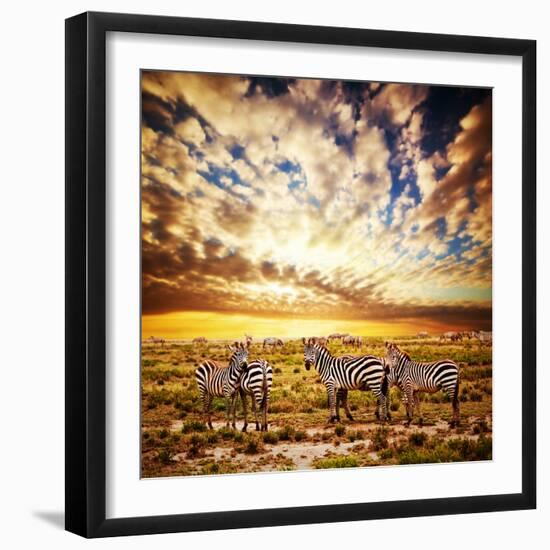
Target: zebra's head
[(390, 362), (310, 352), (394, 358), (239, 356)]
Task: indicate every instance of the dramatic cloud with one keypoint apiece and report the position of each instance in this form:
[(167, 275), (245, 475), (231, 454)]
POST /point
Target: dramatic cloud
[(316, 199)]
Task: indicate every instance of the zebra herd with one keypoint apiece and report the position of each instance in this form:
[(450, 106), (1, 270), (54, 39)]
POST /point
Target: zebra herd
[(338, 374)]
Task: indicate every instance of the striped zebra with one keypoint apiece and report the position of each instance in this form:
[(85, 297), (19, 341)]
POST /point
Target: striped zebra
[(256, 382), (214, 380), (364, 372), (413, 377)]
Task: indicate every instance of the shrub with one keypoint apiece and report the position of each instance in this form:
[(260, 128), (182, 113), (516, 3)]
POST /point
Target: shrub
[(340, 430), (286, 433), (475, 396), (379, 439), (300, 435), (296, 371), (163, 433), (252, 446), (480, 427), (353, 435), (277, 370), (226, 433), (146, 435), (337, 462), (198, 442), (418, 439), (165, 456), (213, 468), (454, 450), (385, 454), (193, 426), (271, 437), (238, 437), (212, 437)]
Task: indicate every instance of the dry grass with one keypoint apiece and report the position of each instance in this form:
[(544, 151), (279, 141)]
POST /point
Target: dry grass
[(175, 440)]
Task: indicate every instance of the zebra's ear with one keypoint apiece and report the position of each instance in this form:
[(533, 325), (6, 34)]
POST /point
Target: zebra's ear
[(230, 348), (303, 340)]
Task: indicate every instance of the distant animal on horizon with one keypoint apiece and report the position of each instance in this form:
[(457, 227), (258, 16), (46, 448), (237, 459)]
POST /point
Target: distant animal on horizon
[(364, 372), (215, 380), (273, 342), (248, 339), (452, 336), (484, 336), (413, 377), (256, 382), (337, 336), (355, 341), (155, 340), (199, 340), (422, 334)]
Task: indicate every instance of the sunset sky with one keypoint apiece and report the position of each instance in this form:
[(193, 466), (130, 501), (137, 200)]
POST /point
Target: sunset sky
[(295, 207)]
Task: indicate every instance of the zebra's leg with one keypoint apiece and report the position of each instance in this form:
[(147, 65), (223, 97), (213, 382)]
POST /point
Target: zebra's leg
[(264, 412), (235, 404), (331, 403), (416, 407), (456, 406), (243, 399), (346, 406), (266, 408), (408, 401), (339, 399), (381, 407), (255, 409), (206, 402), (228, 406)]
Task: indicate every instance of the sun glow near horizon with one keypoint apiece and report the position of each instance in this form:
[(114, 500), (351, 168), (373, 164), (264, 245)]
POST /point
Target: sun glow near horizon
[(189, 325)]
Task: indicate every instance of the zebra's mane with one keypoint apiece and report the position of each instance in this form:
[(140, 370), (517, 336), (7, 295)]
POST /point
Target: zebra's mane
[(404, 354)]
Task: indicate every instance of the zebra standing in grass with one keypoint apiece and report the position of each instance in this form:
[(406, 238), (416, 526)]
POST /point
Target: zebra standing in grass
[(217, 381), (256, 382), (364, 372), (413, 377)]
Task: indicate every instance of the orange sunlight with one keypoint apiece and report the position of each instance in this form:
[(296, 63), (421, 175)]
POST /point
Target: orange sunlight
[(188, 325)]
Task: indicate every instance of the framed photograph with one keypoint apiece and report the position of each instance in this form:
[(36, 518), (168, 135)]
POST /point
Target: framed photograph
[(300, 274)]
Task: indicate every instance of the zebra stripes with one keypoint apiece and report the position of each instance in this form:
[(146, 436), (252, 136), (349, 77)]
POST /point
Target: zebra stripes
[(413, 377), (256, 382), (214, 380), (364, 372)]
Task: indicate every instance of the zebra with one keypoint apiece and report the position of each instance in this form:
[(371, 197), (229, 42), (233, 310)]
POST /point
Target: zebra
[(273, 342), (214, 380), (256, 382), (364, 372), (200, 340), (413, 377)]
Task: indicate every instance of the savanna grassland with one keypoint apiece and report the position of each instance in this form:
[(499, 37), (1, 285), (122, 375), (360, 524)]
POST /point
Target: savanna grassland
[(176, 442)]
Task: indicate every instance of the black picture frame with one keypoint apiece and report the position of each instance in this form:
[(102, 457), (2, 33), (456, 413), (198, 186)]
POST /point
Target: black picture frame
[(86, 274)]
